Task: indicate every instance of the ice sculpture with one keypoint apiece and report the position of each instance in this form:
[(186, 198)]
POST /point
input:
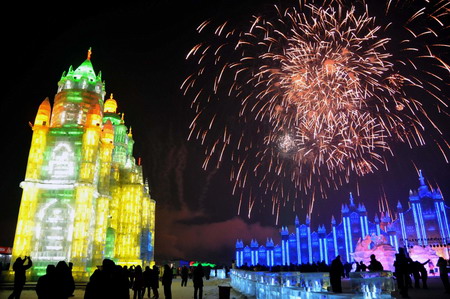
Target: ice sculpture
[(84, 197), (377, 245)]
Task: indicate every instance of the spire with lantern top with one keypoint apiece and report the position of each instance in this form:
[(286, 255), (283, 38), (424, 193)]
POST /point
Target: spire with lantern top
[(110, 105), (86, 70), (83, 77)]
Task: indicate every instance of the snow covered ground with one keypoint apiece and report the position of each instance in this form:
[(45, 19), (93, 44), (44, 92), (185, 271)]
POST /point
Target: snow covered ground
[(210, 291)]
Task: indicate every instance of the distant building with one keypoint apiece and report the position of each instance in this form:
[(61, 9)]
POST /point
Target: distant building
[(84, 197), (5, 257), (424, 223)]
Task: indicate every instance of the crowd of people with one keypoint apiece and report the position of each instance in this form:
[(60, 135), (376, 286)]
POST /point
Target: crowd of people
[(114, 281), (109, 280), (406, 271), (405, 267)]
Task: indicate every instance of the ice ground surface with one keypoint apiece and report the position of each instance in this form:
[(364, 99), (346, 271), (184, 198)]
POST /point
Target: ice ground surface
[(210, 291)]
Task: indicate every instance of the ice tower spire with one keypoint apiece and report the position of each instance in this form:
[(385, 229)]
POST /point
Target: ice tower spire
[(421, 178), (86, 70)]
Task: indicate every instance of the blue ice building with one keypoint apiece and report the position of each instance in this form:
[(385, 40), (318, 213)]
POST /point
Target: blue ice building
[(424, 223)]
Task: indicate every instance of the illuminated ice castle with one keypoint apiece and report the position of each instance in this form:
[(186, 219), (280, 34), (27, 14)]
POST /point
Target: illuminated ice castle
[(423, 226), (84, 197)]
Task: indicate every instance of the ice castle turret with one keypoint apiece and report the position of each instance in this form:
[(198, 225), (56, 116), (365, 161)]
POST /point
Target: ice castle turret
[(424, 223)]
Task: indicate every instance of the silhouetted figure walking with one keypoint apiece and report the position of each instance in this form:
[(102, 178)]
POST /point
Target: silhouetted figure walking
[(197, 278), (416, 273), (336, 272), (443, 273), (420, 267), (374, 264), (402, 272), (184, 276), (19, 275), (154, 282), (207, 271), (138, 283), (410, 272), (45, 284), (167, 281), (131, 273), (423, 273), (147, 279)]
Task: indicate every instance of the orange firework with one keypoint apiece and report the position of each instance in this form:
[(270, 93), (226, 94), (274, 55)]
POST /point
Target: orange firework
[(306, 97)]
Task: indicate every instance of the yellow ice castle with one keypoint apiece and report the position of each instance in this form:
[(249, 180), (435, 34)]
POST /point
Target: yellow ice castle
[(84, 197)]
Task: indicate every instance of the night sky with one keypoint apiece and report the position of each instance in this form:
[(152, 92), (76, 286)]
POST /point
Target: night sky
[(140, 48)]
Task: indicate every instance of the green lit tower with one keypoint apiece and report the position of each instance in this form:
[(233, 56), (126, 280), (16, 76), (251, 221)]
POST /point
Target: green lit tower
[(84, 197)]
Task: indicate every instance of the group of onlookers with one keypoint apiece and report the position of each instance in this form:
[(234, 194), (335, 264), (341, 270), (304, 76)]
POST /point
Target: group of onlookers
[(405, 270), (113, 281), (108, 281), (404, 267), (56, 283)]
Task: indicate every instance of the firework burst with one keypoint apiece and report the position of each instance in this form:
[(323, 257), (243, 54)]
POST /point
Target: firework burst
[(302, 99)]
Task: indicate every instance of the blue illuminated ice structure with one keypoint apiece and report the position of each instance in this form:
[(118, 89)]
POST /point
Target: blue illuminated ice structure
[(425, 224), (274, 285)]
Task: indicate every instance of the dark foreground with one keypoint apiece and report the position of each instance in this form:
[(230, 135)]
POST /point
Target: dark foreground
[(211, 290)]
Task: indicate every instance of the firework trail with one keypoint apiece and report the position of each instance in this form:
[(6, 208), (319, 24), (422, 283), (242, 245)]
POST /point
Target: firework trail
[(303, 99)]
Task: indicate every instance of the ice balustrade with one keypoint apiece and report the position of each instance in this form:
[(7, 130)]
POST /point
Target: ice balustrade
[(268, 285), (219, 273), (378, 284)]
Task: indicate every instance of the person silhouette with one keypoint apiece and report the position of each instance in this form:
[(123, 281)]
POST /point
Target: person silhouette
[(45, 283), (197, 278), (443, 273), (423, 272), (363, 266), (154, 282), (106, 282), (64, 284), (336, 272), (147, 275), (374, 264), (19, 275), (167, 281), (401, 265), (184, 276), (347, 269), (131, 273), (138, 283)]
